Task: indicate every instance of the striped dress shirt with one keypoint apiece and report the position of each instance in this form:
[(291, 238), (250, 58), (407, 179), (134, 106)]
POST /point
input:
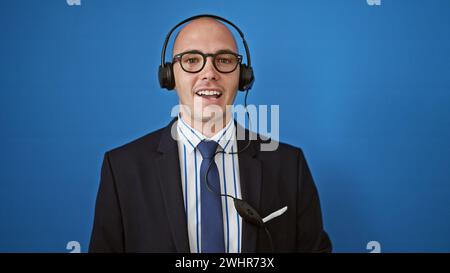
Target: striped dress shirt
[(228, 166)]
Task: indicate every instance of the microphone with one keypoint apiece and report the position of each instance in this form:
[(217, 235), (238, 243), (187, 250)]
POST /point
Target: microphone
[(248, 213)]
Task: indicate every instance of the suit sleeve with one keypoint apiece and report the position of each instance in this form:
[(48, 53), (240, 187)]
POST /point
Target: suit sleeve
[(311, 237), (107, 231)]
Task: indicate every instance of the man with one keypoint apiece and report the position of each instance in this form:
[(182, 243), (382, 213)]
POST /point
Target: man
[(165, 192)]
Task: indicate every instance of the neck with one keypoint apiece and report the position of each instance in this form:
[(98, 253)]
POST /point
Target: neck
[(208, 128)]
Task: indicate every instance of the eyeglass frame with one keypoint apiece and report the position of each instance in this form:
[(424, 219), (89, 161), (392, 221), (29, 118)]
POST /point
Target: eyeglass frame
[(177, 58)]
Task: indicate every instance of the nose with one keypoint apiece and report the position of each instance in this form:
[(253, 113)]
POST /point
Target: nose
[(209, 72)]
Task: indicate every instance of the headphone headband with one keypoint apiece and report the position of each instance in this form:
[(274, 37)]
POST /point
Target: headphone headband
[(166, 42)]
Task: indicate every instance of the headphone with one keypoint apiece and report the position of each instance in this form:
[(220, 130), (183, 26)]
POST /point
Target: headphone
[(165, 72)]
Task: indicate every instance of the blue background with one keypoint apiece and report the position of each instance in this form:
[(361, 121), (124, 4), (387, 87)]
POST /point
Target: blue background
[(364, 90)]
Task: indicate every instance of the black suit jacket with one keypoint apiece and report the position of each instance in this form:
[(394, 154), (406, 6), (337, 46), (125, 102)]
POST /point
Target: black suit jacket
[(139, 205)]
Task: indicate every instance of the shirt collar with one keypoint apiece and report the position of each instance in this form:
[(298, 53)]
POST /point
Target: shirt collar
[(191, 137)]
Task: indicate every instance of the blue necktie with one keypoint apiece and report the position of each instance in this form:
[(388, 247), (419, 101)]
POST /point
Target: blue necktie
[(211, 204)]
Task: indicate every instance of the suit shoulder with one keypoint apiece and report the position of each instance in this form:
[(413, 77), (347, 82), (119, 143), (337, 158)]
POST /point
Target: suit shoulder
[(291, 148), (148, 142), (275, 150)]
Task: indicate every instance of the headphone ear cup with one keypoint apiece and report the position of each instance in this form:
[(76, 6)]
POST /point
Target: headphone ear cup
[(246, 77), (166, 77)]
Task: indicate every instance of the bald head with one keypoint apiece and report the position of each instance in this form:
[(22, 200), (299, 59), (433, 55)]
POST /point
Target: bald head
[(208, 33)]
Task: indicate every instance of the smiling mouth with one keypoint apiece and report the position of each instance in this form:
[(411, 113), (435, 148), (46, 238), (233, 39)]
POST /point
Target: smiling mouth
[(209, 93)]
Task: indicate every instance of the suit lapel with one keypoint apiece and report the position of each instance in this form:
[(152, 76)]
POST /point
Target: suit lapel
[(170, 181), (250, 179)]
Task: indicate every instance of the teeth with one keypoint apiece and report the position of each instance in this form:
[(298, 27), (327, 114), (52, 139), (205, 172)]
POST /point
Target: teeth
[(208, 93)]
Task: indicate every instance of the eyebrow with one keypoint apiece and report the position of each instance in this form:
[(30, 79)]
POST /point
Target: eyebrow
[(225, 50)]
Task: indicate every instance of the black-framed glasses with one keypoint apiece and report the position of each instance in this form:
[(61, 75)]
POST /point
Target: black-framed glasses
[(194, 61)]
